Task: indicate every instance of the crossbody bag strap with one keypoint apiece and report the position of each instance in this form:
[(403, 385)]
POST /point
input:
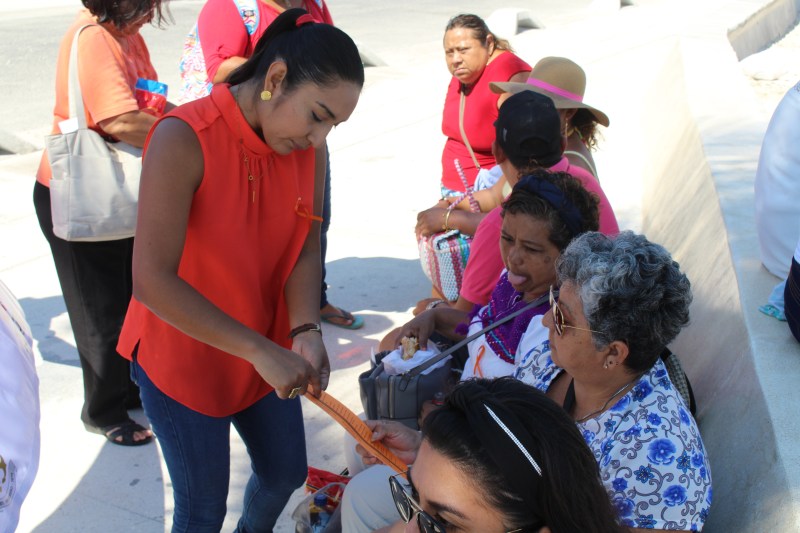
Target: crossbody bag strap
[(461, 105), (76, 109), (474, 206), (407, 376)]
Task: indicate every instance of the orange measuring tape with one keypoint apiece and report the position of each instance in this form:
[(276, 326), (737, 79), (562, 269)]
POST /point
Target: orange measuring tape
[(358, 429)]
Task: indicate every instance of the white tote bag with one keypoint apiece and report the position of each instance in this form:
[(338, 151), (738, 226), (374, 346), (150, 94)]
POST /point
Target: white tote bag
[(94, 189)]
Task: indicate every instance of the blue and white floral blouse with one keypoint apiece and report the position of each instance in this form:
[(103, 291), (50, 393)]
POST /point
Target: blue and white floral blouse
[(651, 457)]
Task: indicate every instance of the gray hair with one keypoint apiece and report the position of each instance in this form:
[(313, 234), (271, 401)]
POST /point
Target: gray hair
[(631, 290)]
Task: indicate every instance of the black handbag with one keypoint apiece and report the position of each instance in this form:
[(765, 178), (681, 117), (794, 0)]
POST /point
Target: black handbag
[(400, 397)]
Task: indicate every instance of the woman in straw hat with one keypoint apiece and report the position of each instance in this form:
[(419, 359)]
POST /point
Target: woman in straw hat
[(565, 82)]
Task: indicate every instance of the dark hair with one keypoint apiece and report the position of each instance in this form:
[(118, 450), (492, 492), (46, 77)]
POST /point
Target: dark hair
[(631, 290), (313, 52), (585, 123), (552, 152), (525, 202), (567, 495), (120, 13), (479, 30)]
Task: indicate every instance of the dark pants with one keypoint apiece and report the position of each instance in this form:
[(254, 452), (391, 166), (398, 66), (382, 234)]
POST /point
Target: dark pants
[(792, 299), (95, 280), (326, 222)]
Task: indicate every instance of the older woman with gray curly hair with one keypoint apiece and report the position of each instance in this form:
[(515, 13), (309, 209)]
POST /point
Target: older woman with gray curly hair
[(622, 300)]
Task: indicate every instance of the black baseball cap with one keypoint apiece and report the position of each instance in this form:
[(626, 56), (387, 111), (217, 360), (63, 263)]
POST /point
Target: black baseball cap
[(528, 129)]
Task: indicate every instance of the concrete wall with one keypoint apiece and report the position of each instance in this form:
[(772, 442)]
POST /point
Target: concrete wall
[(678, 164)]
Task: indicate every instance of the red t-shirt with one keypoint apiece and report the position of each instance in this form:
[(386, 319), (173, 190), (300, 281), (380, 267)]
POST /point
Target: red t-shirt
[(485, 264), (223, 34), (239, 250), (480, 112)]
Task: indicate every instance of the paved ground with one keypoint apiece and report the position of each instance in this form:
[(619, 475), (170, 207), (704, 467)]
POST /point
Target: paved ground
[(384, 163)]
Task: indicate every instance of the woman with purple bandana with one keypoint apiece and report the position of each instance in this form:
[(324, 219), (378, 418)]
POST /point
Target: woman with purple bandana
[(542, 215)]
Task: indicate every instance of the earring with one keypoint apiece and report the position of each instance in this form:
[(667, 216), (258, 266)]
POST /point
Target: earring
[(266, 95)]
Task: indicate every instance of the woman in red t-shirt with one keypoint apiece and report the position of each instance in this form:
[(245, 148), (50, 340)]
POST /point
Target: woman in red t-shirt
[(475, 57)]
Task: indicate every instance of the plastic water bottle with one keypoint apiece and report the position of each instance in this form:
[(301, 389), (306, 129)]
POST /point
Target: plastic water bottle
[(438, 398), (319, 513)]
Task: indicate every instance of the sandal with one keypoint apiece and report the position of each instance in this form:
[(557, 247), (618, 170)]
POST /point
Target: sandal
[(774, 312), (356, 322), (124, 432)]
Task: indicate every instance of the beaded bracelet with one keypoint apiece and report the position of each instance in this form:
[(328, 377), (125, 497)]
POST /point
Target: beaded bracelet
[(433, 304), (305, 327)]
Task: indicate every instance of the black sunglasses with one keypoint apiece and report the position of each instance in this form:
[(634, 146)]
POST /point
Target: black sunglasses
[(408, 507)]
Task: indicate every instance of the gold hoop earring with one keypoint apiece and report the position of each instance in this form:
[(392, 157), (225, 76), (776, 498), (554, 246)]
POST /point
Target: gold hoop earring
[(266, 95)]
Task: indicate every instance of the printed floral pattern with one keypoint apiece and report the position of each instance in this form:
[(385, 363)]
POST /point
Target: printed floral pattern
[(649, 449)]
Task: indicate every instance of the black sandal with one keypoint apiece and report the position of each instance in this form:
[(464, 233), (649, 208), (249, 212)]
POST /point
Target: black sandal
[(124, 432)]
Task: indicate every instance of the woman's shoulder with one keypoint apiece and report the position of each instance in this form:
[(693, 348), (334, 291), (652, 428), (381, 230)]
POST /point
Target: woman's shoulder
[(653, 409), (507, 62), (533, 364), (649, 448)]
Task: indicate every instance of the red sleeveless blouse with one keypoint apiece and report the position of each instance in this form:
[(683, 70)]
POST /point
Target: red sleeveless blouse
[(241, 245)]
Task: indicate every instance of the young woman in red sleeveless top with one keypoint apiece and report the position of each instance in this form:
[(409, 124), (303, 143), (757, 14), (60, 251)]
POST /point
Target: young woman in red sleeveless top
[(224, 324)]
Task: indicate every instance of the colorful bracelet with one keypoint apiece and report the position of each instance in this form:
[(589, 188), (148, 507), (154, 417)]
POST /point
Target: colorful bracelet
[(305, 327)]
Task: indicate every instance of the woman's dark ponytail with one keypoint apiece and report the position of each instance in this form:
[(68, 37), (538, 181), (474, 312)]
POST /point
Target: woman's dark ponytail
[(313, 52)]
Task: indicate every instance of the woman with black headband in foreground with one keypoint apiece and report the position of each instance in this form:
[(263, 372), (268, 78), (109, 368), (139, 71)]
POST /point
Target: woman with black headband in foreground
[(500, 456)]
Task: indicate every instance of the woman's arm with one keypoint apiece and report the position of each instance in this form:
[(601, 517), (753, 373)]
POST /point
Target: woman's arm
[(462, 304), (223, 36), (131, 128), (226, 67), (519, 77), (487, 199), (442, 320), (435, 219), (303, 286), (171, 173)]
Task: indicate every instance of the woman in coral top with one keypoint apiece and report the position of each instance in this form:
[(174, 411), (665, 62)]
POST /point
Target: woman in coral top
[(95, 277), (224, 324), (228, 31)]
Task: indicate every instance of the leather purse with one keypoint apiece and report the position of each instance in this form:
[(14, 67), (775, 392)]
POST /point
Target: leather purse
[(94, 189), (400, 397)]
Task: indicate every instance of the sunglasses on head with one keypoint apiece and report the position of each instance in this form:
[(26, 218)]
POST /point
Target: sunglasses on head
[(408, 508), (558, 317)]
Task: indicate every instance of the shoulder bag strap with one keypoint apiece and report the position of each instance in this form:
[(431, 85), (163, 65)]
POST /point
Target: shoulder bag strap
[(407, 376), (461, 105), (76, 109)]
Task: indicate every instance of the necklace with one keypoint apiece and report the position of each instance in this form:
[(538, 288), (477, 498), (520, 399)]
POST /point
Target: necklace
[(251, 179), (569, 400)]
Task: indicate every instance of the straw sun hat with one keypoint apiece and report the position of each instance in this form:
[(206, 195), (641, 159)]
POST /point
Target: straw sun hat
[(559, 78)]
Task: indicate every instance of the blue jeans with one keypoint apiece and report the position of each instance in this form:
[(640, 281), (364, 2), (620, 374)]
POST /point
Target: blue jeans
[(792, 299), (196, 448)]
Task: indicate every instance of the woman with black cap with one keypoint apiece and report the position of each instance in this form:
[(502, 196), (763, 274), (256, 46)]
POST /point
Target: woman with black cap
[(528, 136)]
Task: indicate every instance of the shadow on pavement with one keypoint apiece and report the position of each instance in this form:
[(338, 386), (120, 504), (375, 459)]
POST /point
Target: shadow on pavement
[(41, 313)]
